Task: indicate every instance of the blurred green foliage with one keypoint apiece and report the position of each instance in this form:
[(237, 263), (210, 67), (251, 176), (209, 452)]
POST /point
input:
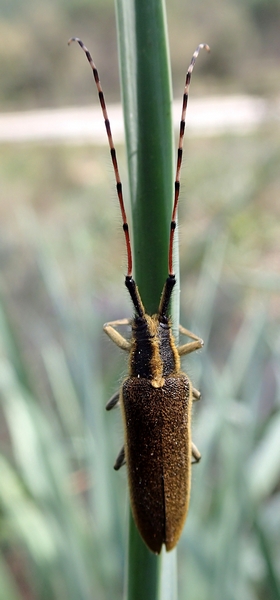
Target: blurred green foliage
[(62, 507)]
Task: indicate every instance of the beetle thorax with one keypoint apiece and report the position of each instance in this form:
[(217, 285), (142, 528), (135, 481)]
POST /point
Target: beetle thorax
[(154, 355)]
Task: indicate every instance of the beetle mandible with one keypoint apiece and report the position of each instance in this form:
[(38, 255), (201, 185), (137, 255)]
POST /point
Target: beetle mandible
[(156, 397)]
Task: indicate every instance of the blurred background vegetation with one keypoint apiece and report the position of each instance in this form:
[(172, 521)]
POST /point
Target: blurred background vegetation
[(36, 69), (62, 507)]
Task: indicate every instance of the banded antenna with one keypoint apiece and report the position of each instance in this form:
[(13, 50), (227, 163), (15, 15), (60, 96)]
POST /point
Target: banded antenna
[(180, 155), (112, 151), (115, 162)]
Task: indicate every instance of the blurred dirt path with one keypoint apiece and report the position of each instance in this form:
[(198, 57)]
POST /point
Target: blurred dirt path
[(207, 117)]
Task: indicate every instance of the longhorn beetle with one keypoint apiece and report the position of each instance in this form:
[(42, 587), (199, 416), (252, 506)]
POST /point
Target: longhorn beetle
[(156, 397)]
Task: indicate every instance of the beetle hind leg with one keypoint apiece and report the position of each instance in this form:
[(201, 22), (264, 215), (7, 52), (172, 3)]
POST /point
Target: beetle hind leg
[(195, 454), (120, 460)]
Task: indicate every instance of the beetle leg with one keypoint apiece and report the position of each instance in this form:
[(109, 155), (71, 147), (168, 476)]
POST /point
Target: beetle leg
[(113, 402), (190, 334), (190, 346), (115, 336), (195, 454), (196, 396), (120, 460)]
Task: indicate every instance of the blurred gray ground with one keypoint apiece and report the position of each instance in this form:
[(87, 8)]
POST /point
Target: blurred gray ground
[(212, 116)]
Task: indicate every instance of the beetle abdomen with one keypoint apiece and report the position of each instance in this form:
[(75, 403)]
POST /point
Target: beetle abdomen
[(158, 456)]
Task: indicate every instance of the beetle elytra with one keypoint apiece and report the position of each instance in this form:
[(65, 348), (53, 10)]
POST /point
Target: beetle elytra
[(156, 397)]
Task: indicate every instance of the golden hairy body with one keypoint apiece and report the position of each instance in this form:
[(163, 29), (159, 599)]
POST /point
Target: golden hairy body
[(156, 402), (158, 456)]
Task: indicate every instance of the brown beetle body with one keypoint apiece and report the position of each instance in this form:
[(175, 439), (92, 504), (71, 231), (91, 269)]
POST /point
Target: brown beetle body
[(156, 402), (158, 455), (156, 397), (156, 407)]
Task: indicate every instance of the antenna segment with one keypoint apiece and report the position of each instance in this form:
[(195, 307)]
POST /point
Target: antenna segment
[(180, 154), (112, 151), (115, 162)]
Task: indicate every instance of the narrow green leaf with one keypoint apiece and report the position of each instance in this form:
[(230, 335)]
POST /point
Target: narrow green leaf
[(146, 90)]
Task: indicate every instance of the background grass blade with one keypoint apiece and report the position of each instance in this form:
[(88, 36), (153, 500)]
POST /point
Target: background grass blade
[(63, 531)]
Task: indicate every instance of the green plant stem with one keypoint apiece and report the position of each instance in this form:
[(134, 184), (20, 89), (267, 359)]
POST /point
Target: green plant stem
[(146, 91)]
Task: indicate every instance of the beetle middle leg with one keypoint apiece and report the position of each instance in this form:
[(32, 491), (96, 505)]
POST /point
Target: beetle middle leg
[(187, 349), (196, 395), (113, 402)]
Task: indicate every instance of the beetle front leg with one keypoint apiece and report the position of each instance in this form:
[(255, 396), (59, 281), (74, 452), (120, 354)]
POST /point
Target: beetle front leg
[(115, 336), (190, 346)]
